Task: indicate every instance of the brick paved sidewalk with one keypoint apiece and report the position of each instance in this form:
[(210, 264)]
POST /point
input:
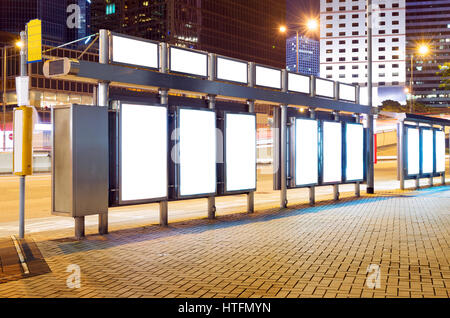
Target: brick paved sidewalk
[(321, 251)]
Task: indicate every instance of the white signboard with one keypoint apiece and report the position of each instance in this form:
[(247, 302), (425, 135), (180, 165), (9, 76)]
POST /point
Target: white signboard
[(354, 141), (232, 70), (134, 52), (440, 151), (144, 152), (347, 92), (306, 152), (188, 62), (332, 152), (413, 167), (18, 140), (427, 151), (324, 88), (240, 152), (197, 151), (22, 90), (299, 83), (268, 77)]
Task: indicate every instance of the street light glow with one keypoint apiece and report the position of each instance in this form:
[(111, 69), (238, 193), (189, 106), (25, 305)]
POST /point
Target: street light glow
[(282, 29), (312, 24), (423, 49), (19, 44)]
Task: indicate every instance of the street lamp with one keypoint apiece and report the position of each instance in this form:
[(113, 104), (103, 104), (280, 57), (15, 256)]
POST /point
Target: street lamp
[(311, 25), (422, 50)]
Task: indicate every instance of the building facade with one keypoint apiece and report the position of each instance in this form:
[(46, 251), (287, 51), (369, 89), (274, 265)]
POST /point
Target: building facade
[(241, 29), (343, 45), (14, 14), (308, 55), (428, 23)]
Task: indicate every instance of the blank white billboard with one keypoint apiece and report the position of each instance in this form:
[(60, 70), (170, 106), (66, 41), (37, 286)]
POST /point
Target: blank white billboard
[(413, 151), (332, 152), (189, 62), (427, 151), (299, 83), (143, 143), (354, 140), (134, 52), (324, 88), (440, 151), (197, 151), (240, 151), (347, 92), (232, 70), (268, 77), (306, 152)]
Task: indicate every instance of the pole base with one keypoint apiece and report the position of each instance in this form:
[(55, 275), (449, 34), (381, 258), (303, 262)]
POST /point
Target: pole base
[(370, 191)]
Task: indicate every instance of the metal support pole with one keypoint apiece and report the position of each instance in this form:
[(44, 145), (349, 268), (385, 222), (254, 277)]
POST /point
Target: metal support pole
[(79, 227), (443, 178), (164, 100), (431, 181), (370, 119), (22, 208), (417, 181), (357, 184), (312, 189), (5, 49), (283, 140), (23, 72), (400, 154), (336, 186), (283, 168), (212, 106), (251, 109), (103, 100), (296, 49)]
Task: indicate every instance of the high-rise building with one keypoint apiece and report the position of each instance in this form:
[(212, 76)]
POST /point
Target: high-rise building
[(343, 45), (246, 30), (14, 14), (428, 23), (308, 55)]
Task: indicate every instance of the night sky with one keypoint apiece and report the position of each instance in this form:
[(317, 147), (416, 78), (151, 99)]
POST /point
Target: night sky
[(301, 10)]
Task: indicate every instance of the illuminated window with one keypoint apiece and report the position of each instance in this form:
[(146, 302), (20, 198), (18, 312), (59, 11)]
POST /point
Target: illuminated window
[(110, 8)]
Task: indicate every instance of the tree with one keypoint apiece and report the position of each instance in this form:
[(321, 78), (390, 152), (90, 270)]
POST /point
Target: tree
[(392, 106)]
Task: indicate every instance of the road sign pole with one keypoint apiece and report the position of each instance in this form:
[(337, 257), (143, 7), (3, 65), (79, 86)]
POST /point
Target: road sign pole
[(23, 72), (370, 117)]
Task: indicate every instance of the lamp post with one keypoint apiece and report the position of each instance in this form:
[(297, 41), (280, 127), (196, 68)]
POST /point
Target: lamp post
[(422, 51), (370, 119), (311, 25)]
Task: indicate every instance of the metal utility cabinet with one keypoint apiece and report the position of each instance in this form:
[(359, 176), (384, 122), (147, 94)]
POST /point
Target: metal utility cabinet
[(80, 160)]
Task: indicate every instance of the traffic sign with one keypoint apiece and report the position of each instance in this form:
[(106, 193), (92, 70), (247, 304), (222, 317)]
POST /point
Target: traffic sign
[(34, 40)]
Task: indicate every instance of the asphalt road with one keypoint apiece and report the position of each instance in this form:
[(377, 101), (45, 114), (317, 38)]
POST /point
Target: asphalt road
[(38, 201)]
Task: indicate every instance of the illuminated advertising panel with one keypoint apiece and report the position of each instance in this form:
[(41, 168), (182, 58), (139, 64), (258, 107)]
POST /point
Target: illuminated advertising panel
[(299, 83), (347, 92), (332, 152), (197, 152), (232, 70), (354, 143), (324, 88), (268, 77), (188, 62), (134, 52), (413, 151), (240, 152), (440, 151), (306, 152), (427, 151), (143, 144)]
